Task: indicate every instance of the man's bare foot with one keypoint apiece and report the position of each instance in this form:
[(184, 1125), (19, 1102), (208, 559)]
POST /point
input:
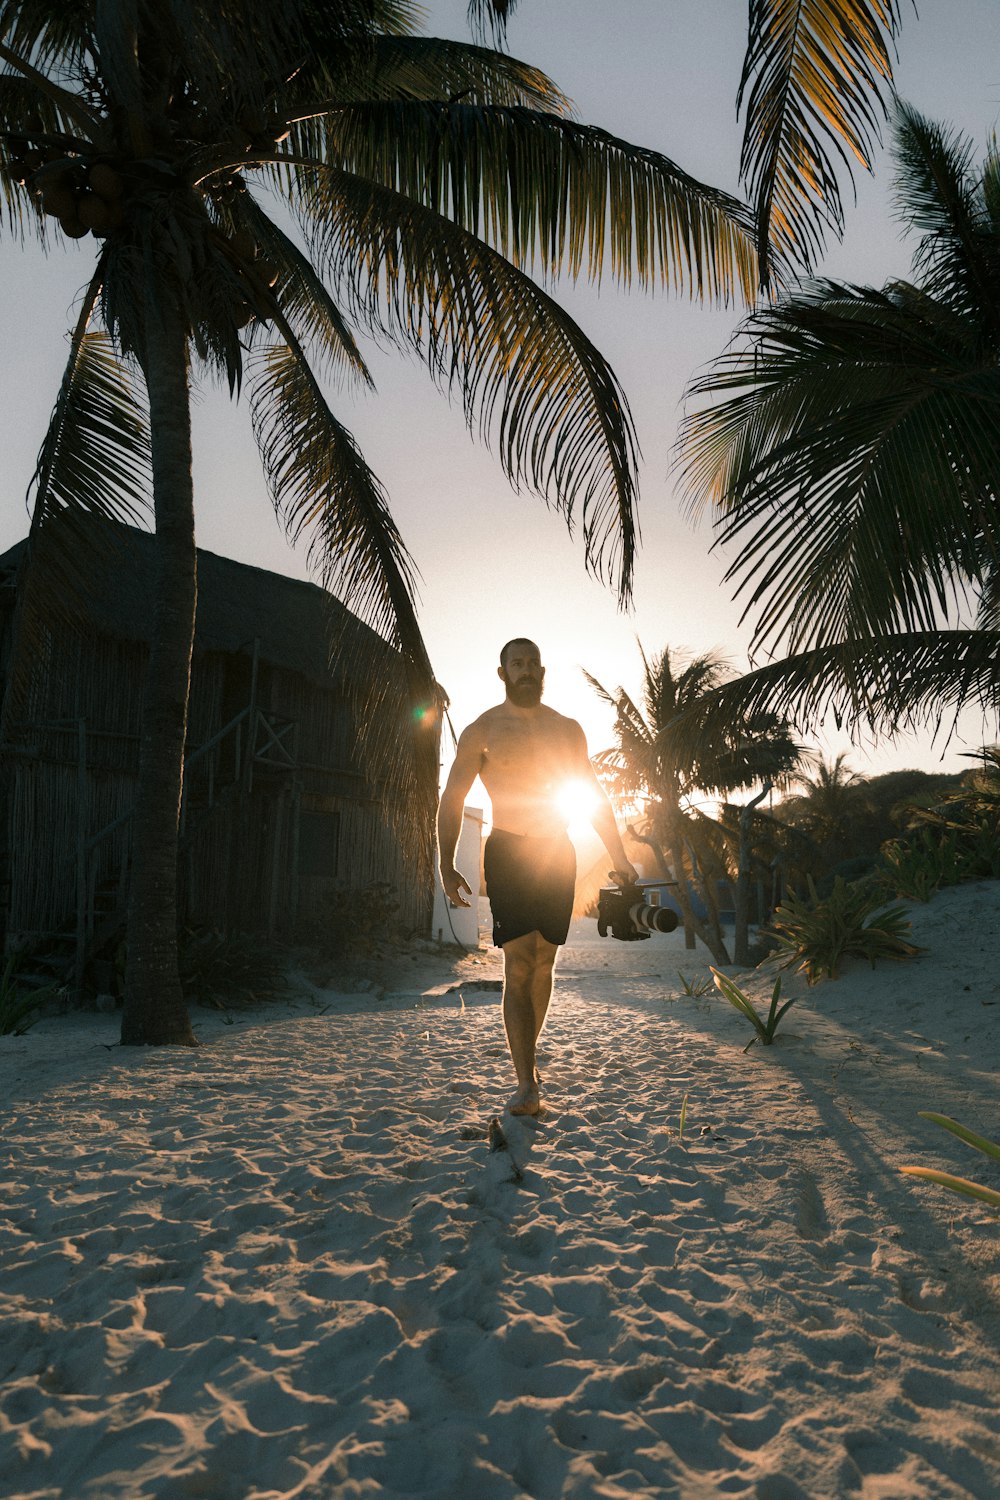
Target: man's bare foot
[(526, 1100)]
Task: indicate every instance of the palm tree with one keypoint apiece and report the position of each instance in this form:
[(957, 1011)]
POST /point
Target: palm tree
[(661, 756), (833, 808), (421, 175), (851, 448), (817, 75)]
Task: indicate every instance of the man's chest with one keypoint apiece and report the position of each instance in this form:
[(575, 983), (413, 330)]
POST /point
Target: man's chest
[(539, 753)]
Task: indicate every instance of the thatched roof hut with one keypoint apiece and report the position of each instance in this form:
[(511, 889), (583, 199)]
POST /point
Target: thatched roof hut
[(278, 811)]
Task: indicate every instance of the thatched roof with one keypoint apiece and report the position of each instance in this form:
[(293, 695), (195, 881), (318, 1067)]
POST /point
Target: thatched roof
[(293, 620)]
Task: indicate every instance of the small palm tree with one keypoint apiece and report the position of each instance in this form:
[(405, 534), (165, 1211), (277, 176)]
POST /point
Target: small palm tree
[(420, 176), (661, 755), (833, 809), (851, 448)]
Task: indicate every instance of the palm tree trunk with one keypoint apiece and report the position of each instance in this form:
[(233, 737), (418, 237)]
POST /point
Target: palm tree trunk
[(691, 923), (707, 886), (155, 1012), (741, 937)]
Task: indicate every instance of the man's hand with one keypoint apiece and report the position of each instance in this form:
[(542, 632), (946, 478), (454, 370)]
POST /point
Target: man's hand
[(456, 887), (626, 874)]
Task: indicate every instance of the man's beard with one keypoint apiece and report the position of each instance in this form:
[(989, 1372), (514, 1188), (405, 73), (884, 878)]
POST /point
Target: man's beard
[(525, 693)]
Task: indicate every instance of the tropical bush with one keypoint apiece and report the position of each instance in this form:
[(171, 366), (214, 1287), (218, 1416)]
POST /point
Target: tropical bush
[(353, 922), (18, 1008), (763, 1030), (960, 1185), (694, 987), (917, 866), (854, 919), (957, 838), (228, 971)]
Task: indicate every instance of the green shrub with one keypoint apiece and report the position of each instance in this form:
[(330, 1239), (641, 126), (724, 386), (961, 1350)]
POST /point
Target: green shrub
[(226, 971), (960, 1185), (740, 1000), (18, 1007), (917, 866), (351, 923), (695, 987), (853, 919), (958, 838)]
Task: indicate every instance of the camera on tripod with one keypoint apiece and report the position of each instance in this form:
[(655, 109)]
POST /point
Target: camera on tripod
[(634, 911)]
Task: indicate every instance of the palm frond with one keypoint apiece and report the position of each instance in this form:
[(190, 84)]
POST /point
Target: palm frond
[(324, 491), (429, 68), (853, 458), (175, 253), (94, 462), (602, 692), (528, 377), (891, 683), (815, 80), (28, 118), (44, 32), (70, 104), (553, 195), (95, 456), (307, 304), (941, 197), (490, 17)]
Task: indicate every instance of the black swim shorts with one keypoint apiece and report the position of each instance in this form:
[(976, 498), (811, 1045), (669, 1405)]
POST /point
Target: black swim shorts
[(530, 884)]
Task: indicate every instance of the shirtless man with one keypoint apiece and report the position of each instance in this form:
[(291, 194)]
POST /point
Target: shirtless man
[(524, 752)]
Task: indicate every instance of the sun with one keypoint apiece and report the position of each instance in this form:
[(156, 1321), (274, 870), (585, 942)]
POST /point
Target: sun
[(577, 802)]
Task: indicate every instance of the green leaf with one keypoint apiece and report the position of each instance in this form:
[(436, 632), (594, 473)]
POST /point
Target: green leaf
[(990, 1148), (526, 374), (960, 1185), (554, 194), (815, 80)]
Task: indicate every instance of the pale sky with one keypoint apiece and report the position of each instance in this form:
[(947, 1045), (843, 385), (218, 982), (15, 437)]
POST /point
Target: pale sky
[(663, 74)]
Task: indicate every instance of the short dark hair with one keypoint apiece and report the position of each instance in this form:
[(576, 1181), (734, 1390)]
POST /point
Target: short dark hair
[(519, 640)]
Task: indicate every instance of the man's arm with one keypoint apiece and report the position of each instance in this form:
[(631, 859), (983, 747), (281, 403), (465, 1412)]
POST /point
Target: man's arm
[(468, 760), (603, 817)]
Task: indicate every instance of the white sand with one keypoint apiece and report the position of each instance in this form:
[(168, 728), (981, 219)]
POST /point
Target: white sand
[(279, 1266)]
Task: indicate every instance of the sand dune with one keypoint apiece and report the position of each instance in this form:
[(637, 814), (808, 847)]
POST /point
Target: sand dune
[(289, 1265)]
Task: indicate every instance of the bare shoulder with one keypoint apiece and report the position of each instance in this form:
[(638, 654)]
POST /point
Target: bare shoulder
[(566, 727), (480, 728), (475, 737)]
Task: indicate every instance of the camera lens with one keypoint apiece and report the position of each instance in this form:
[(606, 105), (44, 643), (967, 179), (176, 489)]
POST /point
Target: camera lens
[(654, 918)]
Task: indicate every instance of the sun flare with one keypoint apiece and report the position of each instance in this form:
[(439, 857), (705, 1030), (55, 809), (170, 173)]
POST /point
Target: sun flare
[(576, 801)]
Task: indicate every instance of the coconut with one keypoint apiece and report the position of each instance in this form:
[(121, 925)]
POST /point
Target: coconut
[(103, 180), (71, 226), (94, 213), (58, 197), (244, 244)]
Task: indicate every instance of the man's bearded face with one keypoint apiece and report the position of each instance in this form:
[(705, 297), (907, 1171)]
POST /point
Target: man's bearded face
[(524, 681)]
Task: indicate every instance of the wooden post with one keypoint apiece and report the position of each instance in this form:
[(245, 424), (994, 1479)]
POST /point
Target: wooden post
[(296, 830), (251, 748), (80, 957), (278, 827)]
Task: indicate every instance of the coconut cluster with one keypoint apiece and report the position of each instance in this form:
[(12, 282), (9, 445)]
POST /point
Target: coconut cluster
[(86, 198)]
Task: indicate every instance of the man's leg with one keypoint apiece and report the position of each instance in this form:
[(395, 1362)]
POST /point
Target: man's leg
[(528, 964)]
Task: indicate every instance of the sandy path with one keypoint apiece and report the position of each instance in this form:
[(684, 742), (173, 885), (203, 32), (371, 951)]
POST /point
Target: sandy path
[(286, 1264)]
